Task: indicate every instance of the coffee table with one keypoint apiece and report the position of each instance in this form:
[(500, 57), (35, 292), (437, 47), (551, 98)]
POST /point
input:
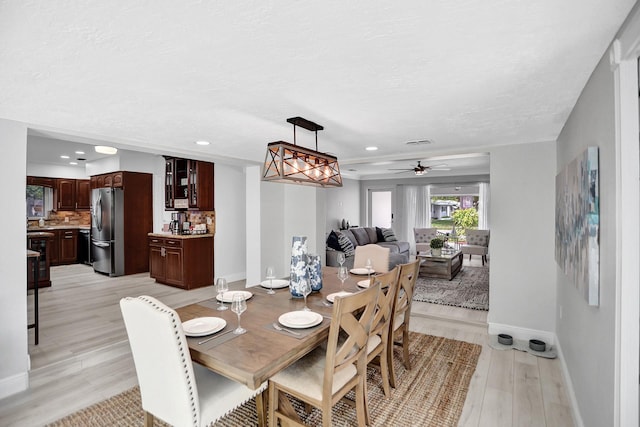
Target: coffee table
[(445, 266)]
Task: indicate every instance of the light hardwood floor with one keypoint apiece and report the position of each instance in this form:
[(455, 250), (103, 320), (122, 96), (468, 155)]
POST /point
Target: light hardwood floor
[(83, 356)]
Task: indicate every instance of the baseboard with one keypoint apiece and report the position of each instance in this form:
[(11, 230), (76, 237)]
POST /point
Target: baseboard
[(522, 333), (14, 384), (575, 411)]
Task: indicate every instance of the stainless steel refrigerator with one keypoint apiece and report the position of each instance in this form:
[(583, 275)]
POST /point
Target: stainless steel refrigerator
[(107, 231)]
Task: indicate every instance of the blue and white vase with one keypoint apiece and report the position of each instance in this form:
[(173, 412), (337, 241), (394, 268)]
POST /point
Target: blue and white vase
[(314, 270), (298, 265)]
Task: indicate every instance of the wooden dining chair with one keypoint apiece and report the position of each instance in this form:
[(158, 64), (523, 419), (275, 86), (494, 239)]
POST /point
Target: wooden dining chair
[(380, 329), (401, 315), (323, 377), (173, 388), (378, 255)]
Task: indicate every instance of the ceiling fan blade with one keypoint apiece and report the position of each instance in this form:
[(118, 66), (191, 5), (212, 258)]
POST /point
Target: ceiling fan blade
[(400, 169), (440, 169), (442, 165)]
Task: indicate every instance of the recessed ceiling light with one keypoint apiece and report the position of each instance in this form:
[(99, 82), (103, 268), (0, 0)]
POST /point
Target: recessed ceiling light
[(64, 157), (103, 149), (203, 142), (371, 148), (79, 152), (73, 163)]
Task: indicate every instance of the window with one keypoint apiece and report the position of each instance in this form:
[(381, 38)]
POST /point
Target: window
[(39, 201)]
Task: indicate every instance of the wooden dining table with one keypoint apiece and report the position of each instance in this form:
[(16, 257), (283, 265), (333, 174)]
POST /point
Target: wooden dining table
[(252, 358)]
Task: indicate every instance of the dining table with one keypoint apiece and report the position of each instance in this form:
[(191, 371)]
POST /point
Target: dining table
[(253, 357)]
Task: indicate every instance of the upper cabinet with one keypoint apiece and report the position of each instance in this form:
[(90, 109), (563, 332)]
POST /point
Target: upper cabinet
[(108, 180), (73, 194), (189, 184)]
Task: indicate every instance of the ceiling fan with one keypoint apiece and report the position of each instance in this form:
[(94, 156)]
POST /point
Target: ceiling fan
[(420, 169)]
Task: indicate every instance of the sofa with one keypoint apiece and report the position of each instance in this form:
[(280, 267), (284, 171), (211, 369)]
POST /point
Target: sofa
[(345, 241)]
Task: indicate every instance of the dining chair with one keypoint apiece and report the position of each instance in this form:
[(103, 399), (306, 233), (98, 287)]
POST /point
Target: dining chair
[(378, 255), (172, 388), (401, 314), (323, 377), (380, 328)]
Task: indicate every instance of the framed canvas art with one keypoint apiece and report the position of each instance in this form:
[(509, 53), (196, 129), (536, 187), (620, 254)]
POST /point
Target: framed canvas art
[(578, 222)]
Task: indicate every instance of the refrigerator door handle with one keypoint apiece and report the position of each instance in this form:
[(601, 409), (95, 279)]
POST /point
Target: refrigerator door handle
[(98, 214), (101, 244)]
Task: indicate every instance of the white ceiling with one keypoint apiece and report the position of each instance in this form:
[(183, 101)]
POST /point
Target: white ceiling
[(158, 75)]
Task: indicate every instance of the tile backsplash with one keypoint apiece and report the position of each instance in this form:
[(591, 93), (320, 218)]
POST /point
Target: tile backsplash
[(65, 218)]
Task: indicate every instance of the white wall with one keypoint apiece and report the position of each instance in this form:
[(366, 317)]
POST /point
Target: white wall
[(522, 294), (587, 334), (342, 202), (14, 362), (275, 250), (56, 171), (230, 236)]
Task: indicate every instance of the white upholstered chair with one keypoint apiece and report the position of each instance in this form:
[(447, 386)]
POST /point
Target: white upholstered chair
[(173, 388), (399, 332), (325, 376), (423, 238), (378, 255), (477, 244)]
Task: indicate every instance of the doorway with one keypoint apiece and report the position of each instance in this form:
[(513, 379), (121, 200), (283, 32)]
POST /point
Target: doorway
[(381, 208)]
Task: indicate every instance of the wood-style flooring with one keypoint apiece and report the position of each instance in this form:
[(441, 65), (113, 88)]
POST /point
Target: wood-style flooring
[(83, 356)]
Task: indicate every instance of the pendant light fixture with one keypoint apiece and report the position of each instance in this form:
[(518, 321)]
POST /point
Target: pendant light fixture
[(291, 163)]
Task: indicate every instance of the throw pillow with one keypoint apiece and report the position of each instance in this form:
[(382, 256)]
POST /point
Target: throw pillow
[(379, 233), (345, 245), (389, 235), (332, 241)]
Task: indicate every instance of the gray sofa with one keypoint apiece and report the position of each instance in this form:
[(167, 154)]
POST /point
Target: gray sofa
[(398, 251)]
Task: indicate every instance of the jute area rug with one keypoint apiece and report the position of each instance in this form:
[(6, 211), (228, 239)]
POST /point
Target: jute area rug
[(432, 393), (469, 289)]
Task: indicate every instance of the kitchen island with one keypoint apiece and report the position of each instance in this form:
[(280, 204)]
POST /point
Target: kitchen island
[(181, 260)]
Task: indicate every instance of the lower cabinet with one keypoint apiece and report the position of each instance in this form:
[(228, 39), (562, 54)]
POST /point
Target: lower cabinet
[(182, 261), (64, 247)]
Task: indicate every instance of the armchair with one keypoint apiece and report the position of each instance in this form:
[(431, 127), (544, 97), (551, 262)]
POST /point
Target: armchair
[(477, 244), (423, 237)]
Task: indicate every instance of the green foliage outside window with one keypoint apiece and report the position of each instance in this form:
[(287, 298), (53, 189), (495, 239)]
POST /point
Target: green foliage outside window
[(465, 218)]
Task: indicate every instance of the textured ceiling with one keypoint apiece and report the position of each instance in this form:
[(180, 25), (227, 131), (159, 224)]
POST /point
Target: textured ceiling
[(159, 75)]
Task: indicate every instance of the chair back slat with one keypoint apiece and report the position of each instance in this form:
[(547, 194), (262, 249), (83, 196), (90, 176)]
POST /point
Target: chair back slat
[(349, 332)]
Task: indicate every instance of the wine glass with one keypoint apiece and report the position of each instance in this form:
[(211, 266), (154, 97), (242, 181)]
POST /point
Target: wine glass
[(270, 275), (340, 258), (343, 274), (221, 287), (239, 306), (369, 266), (305, 289)]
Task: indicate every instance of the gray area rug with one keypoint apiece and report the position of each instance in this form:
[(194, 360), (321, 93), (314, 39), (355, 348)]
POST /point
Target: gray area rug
[(469, 289)]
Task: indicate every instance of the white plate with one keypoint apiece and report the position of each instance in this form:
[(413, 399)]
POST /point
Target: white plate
[(201, 326), (363, 283), (300, 319), (277, 283), (333, 296), (361, 271), (228, 296)]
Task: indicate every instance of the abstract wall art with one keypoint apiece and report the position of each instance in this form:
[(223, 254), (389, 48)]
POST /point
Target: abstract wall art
[(578, 222)]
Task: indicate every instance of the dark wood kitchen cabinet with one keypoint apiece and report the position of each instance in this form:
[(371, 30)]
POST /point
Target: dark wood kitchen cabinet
[(83, 194), (68, 246), (66, 194), (40, 242), (64, 247), (184, 262), (189, 184), (73, 194)]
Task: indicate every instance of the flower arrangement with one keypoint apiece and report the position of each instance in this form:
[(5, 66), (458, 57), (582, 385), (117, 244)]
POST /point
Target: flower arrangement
[(436, 243)]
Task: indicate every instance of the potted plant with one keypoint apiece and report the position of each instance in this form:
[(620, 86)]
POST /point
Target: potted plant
[(436, 246)]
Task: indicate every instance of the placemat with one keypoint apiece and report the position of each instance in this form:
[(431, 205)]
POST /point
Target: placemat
[(215, 340)]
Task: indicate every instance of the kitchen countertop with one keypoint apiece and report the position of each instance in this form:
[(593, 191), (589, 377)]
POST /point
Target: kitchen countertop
[(59, 227), (180, 236), (39, 234)]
